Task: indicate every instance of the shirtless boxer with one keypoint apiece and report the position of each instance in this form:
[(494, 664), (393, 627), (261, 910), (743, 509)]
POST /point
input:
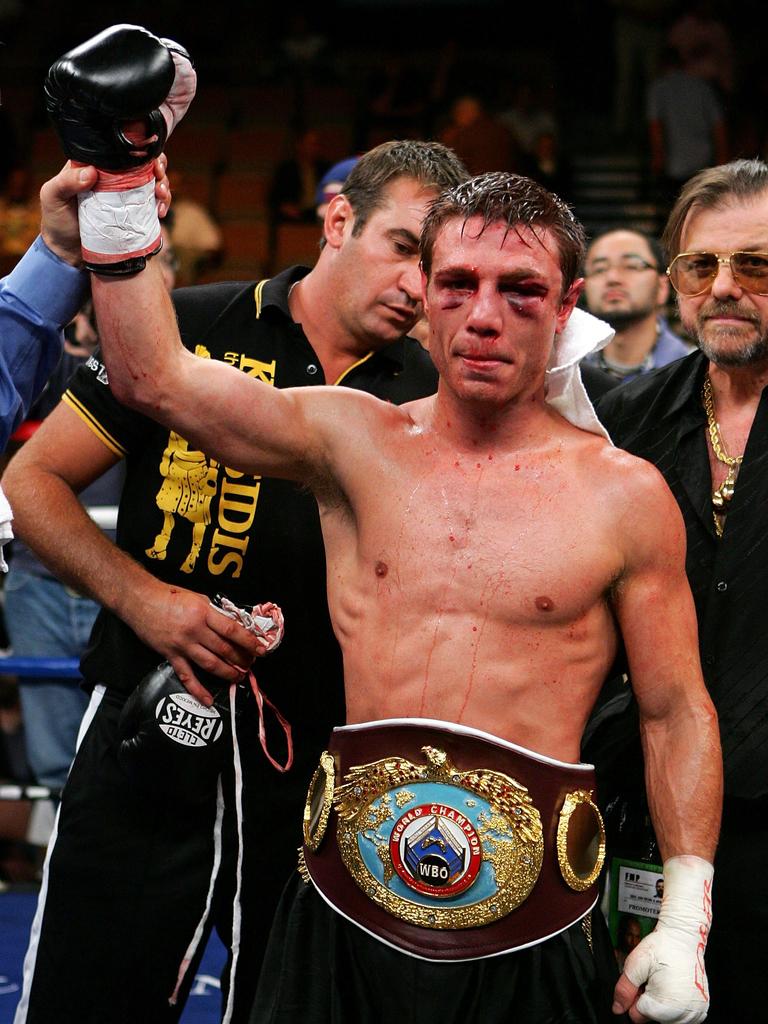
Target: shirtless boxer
[(483, 555)]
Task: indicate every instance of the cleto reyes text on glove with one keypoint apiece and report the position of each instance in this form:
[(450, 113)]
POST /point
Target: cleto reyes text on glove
[(114, 101)]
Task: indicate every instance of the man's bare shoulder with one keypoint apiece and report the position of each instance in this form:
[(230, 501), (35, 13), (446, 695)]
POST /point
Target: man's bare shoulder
[(614, 467), (616, 480), (638, 505), (625, 489), (634, 477)]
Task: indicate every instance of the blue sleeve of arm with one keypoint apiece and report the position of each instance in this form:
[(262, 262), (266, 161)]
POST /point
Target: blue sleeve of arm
[(37, 299)]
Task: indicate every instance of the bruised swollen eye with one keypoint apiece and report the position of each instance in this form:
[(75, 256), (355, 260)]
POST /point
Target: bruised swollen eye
[(453, 300), (452, 294), (522, 301)]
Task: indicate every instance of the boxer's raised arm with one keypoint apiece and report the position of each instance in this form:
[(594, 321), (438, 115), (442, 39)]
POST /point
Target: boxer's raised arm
[(681, 744), (114, 101), (237, 419)]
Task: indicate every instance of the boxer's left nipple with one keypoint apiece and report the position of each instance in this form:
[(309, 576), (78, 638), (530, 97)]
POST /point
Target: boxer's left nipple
[(544, 604), (382, 568)]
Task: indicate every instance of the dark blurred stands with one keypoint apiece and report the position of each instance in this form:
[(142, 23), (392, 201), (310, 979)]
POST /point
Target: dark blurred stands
[(358, 72)]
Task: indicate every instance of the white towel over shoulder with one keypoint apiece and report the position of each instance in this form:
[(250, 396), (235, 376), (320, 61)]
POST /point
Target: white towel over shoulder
[(583, 335)]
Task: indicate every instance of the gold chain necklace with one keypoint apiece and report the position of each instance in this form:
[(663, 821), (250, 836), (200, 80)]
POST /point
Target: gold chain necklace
[(721, 496)]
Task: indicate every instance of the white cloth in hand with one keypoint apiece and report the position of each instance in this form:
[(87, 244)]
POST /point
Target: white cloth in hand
[(265, 621)]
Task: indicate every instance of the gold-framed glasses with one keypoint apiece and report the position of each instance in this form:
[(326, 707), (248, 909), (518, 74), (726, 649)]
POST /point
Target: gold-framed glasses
[(693, 273)]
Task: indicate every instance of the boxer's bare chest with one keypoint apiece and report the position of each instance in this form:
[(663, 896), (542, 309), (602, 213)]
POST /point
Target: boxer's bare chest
[(473, 586), (518, 538)]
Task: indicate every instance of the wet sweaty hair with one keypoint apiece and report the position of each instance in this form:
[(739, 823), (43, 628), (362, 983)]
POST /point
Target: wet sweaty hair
[(431, 164), (713, 187), (513, 200)]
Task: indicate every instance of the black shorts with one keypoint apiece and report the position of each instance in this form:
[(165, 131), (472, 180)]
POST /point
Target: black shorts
[(320, 969)]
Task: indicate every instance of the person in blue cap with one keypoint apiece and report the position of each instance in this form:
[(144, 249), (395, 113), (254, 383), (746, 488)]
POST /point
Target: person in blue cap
[(332, 183)]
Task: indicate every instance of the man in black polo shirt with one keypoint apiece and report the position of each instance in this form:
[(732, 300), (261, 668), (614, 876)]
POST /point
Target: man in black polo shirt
[(123, 913), (703, 422)]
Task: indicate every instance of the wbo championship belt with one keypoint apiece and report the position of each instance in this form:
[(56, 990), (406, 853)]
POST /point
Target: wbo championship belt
[(449, 843)]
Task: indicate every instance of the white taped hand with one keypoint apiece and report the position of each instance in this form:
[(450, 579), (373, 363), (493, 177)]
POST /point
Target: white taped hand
[(670, 961), (119, 223)]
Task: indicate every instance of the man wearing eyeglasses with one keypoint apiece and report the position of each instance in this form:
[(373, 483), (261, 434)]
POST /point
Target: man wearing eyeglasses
[(625, 284), (704, 423)]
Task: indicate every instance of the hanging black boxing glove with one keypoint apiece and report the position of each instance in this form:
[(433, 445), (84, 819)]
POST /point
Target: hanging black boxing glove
[(169, 741), (114, 101)]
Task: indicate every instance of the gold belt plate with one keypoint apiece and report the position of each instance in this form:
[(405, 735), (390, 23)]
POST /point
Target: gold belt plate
[(435, 846)]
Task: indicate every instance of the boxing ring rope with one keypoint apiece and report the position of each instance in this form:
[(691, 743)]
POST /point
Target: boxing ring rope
[(15, 791), (44, 668)]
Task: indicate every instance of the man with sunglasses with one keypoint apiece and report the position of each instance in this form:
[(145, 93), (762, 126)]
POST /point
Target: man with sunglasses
[(704, 423), (625, 284)]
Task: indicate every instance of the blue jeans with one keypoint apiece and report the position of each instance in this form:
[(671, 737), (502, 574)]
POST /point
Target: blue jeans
[(44, 619)]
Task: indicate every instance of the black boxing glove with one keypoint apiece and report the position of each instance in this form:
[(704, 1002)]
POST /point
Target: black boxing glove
[(171, 742), (114, 101)]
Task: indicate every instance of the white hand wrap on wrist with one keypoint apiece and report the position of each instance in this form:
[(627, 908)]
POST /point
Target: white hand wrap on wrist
[(670, 961), (118, 218)]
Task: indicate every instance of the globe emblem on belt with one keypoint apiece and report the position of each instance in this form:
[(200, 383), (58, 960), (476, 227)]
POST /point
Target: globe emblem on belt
[(436, 850)]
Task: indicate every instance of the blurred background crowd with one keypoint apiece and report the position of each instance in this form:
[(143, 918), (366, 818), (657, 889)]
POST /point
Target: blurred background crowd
[(612, 103)]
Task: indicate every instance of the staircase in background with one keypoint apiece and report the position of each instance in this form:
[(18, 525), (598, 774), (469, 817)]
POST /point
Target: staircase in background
[(612, 190)]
